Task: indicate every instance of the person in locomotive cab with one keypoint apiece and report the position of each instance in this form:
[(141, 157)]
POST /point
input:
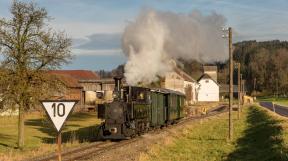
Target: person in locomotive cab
[(140, 96)]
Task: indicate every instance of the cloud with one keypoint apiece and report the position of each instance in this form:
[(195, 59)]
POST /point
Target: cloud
[(100, 41), (97, 52), (98, 44), (78, 29)]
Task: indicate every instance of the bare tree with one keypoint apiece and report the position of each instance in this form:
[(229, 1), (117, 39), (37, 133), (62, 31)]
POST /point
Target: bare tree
[(29, 48)]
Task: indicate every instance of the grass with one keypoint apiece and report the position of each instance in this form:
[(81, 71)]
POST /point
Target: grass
[(282, 102), (40, 134), (258, 135), (279, 101)]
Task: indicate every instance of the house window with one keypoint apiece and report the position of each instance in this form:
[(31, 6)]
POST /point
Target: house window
[(207, 81)]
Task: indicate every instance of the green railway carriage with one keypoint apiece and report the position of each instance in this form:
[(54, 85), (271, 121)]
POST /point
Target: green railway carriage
[(158, 109), (181, 100), (166, 107)]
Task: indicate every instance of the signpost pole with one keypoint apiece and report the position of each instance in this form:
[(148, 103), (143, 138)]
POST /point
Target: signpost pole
[(58, 111), (59, 140)]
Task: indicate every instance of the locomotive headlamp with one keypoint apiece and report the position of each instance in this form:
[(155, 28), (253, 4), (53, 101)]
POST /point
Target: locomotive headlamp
[(114, 95), (113, 130)]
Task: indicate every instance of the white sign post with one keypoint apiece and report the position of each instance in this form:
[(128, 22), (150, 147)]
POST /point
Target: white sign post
[(58, 111)]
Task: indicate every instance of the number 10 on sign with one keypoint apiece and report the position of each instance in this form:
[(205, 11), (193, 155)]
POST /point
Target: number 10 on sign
[(58, 108)]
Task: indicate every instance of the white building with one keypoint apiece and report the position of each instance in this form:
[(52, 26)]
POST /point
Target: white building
[(208, 90)]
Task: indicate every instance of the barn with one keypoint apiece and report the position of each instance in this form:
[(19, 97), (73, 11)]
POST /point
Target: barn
[(80, 85)]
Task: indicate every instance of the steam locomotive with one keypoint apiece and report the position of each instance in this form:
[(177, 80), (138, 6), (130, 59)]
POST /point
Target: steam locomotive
[(135, 110)]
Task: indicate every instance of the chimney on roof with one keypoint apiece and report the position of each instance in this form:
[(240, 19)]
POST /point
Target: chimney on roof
[(211, 70)]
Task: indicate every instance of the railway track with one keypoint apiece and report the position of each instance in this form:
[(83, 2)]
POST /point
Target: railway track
[(98, 148)]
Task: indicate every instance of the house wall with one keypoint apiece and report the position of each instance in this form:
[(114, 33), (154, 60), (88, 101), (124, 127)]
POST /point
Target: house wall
[(90, 86), (90, 97), (208, 91), (73, 94), (190, 92), (175, 82)]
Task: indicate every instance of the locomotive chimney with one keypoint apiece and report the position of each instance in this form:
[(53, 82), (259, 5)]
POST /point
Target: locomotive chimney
[(117, 94), (117, 80)]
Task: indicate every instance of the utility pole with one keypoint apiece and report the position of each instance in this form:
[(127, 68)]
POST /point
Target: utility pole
[(231, 84), (255, 87), (239, 89), (277, 88), (243, 89), (231, 67)]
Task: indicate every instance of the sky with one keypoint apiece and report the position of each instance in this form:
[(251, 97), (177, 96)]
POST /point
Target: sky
[(96, 26)]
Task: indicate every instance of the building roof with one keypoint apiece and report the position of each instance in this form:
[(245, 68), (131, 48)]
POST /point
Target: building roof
[(68, 80), (103, 81), (184, 75), (167, 91), (207, 76), (77, 74)]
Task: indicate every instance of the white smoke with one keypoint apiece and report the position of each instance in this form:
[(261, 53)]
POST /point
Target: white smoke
[(155, 38)]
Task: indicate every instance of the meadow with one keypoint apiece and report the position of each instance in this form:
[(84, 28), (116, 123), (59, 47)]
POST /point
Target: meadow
[(258, 135), (40, 135)]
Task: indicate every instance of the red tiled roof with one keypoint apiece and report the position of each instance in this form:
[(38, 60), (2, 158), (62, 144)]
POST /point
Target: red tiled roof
[(68, 80), (77, 74)]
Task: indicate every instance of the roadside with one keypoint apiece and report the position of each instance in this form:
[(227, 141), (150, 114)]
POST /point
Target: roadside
[(275, 100), (40, 136), (258, 135)]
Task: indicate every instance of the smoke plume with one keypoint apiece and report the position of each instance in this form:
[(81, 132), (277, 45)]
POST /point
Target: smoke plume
[(156, 37)]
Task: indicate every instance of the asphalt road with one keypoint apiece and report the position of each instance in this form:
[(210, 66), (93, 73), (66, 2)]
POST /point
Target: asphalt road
[(281, 110)]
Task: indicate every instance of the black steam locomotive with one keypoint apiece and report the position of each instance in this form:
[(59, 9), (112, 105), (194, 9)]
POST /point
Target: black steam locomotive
[(135, 110)]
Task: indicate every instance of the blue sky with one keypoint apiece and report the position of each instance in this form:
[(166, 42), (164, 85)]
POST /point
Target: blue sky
[(96, 25)]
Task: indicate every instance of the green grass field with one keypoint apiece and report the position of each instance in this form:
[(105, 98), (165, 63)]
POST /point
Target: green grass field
[(40, 134), (282, 102), (257, 136), (279, 101)]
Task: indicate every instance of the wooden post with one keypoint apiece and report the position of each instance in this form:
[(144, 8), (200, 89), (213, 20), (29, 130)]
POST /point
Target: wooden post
[(230, 84), (241, 93), (273, 107), (59, 140), (239, 89)]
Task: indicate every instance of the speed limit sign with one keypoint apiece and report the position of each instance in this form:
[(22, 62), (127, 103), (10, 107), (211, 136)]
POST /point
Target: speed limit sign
[(58, 111)]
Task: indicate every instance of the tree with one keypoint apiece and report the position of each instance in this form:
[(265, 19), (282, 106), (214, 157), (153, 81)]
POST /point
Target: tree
[(29, 48)]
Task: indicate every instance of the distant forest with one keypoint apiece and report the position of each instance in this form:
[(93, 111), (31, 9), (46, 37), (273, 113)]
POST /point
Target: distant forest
[(266, 63), (264, 66)]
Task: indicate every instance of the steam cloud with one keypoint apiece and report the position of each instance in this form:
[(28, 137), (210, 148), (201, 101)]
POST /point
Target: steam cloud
[(155, 37)]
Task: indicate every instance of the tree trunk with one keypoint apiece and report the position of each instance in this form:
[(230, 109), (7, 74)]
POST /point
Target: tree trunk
[(21, 127)]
